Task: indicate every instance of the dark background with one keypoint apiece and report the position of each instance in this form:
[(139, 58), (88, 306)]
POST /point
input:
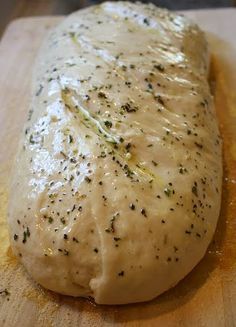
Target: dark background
[(10, 9)]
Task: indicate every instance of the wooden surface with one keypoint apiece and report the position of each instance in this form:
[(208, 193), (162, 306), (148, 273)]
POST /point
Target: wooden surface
[(12, 9), (207, 296)]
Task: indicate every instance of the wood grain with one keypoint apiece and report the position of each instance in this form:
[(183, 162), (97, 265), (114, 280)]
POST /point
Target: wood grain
[(207, 296)]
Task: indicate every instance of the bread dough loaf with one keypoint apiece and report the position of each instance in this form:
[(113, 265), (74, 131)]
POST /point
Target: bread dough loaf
[(117, 183)]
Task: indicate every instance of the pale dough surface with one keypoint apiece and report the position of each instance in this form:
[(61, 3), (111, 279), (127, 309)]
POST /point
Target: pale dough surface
[(117, 183)]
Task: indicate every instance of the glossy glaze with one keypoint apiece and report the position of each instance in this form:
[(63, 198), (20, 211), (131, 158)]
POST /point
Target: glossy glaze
[(117, 186)]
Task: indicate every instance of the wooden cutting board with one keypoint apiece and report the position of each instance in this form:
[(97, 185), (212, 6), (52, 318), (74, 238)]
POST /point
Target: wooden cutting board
[(207, 296)]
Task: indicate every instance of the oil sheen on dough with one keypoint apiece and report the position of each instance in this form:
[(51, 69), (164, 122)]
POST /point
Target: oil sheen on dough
[(117, 183)]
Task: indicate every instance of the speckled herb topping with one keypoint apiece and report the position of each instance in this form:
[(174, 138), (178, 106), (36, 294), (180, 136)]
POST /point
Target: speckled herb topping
[(122, 147)]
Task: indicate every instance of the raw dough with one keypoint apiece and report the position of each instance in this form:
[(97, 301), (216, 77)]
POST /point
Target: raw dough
[(117, 184)]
